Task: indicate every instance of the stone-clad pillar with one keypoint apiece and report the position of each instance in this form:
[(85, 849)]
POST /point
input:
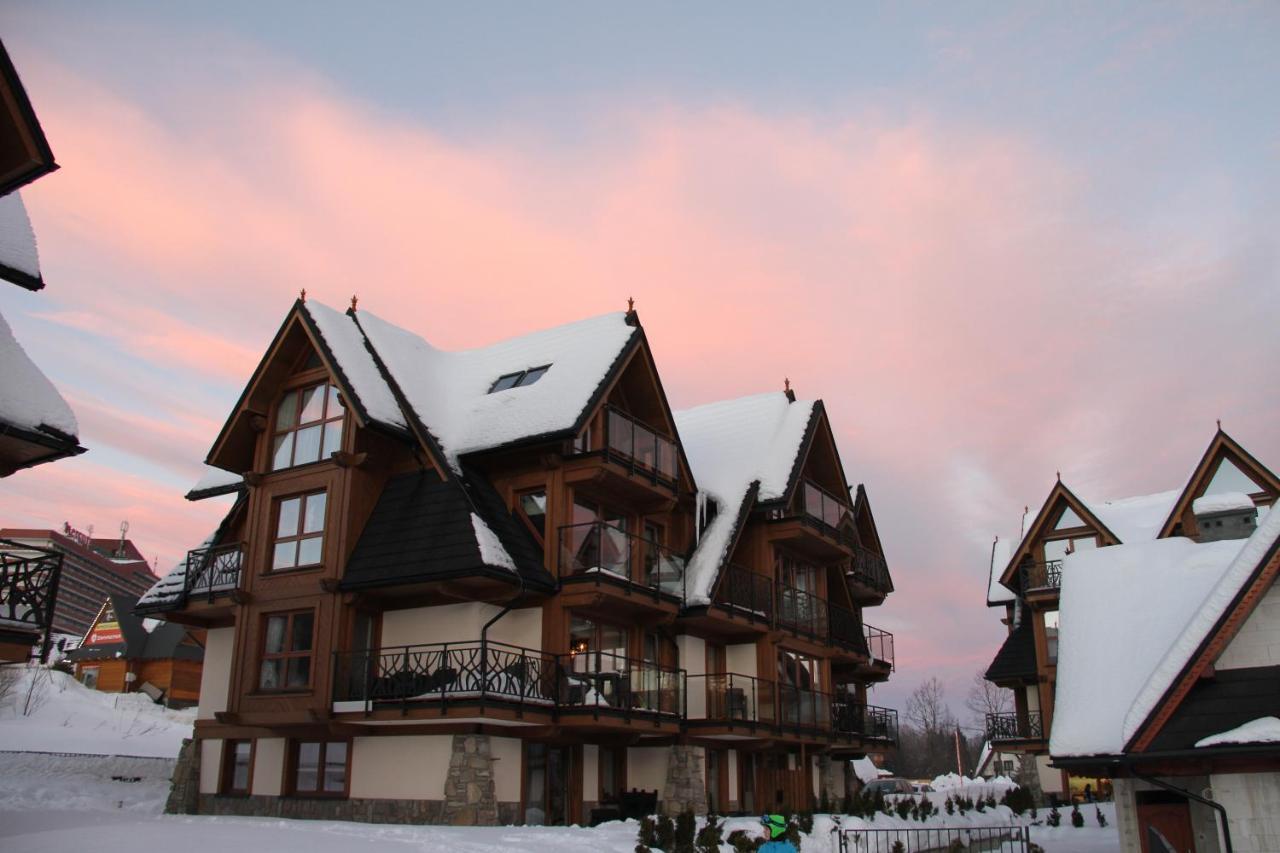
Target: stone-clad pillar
[(468, 789), (685, 789)]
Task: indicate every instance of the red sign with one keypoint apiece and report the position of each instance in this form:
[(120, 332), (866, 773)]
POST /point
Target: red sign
[(105, 633)]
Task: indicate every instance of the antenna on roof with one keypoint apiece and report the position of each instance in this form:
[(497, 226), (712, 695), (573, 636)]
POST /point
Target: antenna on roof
[(354, 300), (786, 389), (303, 295)]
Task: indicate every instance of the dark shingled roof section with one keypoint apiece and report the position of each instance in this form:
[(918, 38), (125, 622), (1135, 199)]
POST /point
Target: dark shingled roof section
[(1231, 698), (1016, 660), (421, 531), (165, 641)]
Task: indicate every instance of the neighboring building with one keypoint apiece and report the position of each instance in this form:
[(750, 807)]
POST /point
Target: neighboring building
[(92, 570), (123, 653), (510, 584), (1169, 682), (1025, 580), (992, 763)]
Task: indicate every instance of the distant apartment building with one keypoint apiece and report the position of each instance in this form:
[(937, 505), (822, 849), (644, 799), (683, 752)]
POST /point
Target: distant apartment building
[(92, 570)]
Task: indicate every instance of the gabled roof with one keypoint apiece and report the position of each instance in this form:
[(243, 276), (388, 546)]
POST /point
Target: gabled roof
[(31, 409), (1220, 445), (215, 482), (29, 154), (735, 446), (1161, 602), (1048, 511), (139, 639), (19, 258)]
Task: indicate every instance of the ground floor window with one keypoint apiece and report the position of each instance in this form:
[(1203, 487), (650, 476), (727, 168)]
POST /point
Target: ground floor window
[(320, 768), (237, 761), (89, 676), (613, 773)]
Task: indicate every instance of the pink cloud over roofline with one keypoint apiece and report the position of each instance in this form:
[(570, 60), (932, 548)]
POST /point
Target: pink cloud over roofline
[(922, 278)]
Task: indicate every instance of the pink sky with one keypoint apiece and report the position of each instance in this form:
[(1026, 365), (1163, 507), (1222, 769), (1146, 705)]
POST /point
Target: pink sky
[(972, 311)]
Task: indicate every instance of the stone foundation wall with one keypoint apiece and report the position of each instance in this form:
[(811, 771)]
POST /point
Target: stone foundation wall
[(363, 810), (184, 790), (685, 789)]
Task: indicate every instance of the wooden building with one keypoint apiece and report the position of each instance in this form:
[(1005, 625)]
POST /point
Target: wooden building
[(511, 584), (124, 653), (1027, 574)]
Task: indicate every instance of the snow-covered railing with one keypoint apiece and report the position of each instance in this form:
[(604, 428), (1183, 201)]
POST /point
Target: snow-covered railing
[(604, 553), (28, 587), (1012, 725), (639, 448)]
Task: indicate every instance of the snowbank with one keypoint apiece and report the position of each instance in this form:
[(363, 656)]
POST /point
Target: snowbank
[(67, 717), (967, 785)]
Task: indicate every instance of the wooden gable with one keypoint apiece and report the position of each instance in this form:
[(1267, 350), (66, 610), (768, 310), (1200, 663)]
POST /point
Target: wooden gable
[(1224, 466), (296, 348), (24, 152), (819, 458), (1058, 515)]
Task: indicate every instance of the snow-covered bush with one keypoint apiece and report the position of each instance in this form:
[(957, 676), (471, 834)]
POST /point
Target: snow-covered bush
[(1077, 819)]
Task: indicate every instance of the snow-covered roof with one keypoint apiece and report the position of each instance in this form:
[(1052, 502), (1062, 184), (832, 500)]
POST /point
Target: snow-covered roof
[(1261, 730), (450, 391), (1136, 519), (168, 590), (27, 398), (347, 344), (492, 553), (1157, 601), (17, 239), (215, 479), (730, 445), (1224, 502), (1001, 554)]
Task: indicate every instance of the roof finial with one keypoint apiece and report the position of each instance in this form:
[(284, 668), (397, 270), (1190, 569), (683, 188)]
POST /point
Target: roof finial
[(303, 295), (786, 389), (354, 300), (631, 305), (1059, 473), (1219, 424)]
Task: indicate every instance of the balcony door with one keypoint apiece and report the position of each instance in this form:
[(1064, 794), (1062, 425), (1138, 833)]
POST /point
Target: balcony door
[(548, 774), (598, 541), (798, 682)]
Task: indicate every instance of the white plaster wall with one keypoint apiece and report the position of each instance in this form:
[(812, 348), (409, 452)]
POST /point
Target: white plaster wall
[(521, 628), (693, 654), (741, 658), (268, 766), (210, 765), (1252, 801), (215, 675), (647, 768), (508, 768), (405, 767), (1033, 698), (591, 772), (1258, 643), (447, 623)]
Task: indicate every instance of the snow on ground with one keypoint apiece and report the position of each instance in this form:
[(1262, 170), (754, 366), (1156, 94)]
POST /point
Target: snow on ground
[(68, 717), (964, 786)]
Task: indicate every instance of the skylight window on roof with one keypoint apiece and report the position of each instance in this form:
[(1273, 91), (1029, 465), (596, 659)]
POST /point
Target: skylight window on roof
[(519, 380)]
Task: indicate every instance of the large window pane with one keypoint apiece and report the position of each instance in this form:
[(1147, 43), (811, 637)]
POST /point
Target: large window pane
[(287, 414), (332, 439), (310, 550), (308, 445), (334, 407), (240, 769), (335, 767), (620, 433), (314, 520), (301, 639), (312, 404), (275, 634), (298, 672), (308, 767), (269, 675), (285, 555), (282, 451), (287, 525)]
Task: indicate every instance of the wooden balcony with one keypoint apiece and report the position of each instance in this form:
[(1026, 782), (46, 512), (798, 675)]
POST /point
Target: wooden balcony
[(607, 571), (486, 681), (818, 527), (630, 461), (1014, 728), (1041, 579), (211, 587), (868, 576)]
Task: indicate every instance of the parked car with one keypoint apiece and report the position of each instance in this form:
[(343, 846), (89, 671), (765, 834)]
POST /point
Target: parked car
[(889, 785), (921, 788)]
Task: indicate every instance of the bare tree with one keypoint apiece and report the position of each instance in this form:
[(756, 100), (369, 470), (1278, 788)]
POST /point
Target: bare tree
[(927, 708), (986, 698)]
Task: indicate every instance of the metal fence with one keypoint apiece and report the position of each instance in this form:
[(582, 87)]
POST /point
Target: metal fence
[(1002, 839)]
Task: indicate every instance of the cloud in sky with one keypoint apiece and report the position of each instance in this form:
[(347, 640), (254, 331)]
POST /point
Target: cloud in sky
[(962, 297)]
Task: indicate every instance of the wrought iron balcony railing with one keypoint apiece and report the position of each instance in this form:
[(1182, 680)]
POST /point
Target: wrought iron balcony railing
[(29, 579), (1046, 575), (747, 593), (1011, 725), (494, 672), (213, 571), (879, 645), (870, 569), (605, 553), (639, 448)]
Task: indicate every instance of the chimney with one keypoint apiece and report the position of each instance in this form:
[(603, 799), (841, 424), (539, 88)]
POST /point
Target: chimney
[(1229, 515)]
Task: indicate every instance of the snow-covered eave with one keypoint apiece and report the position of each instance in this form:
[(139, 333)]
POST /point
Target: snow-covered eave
[(745, 505), (26, 280)]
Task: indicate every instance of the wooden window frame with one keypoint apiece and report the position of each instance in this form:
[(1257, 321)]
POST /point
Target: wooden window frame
[(299, 385), (291, 770), (227, 774), (299, 536), (290, 654)]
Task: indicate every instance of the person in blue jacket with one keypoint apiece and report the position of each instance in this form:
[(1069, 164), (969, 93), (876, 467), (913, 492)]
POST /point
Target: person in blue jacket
[(775, 828)]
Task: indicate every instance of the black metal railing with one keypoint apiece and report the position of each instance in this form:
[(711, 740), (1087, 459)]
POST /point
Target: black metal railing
[(879, 645), (747, 593), (1007, 839), (1010, 725), (822, 506), (639, 448), (870, 569), (845, 627), (867, 721), (29, 579), (1046, 575), (213, 571), (732, 698), (606, 553), (802, 612), (491, 671)]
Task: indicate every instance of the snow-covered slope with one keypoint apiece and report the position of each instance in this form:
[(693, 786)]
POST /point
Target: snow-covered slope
[(65, 716)]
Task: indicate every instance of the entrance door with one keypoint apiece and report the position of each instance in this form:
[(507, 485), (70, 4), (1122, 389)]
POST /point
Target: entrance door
[(1164, 823), (547, 778), (747, 782)]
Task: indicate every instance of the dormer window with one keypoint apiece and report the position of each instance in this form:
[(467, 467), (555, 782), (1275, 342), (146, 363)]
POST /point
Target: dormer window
[(308, 426), (519, 380)]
